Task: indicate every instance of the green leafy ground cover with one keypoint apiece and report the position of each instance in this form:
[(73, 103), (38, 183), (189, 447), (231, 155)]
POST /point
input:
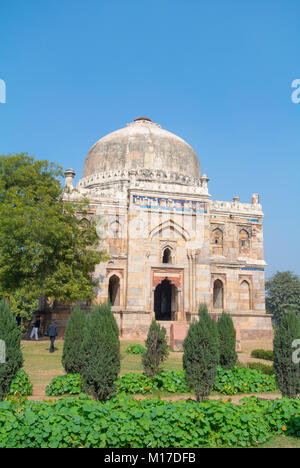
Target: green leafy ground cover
[(228, 382), (125, 422), (70, 384), (21, 384)]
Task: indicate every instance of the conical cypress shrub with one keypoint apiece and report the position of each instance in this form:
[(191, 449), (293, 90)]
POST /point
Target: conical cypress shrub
[(287, 373), (11, 335), (100, 353), (156, 349), (227, 341), (201, 354), (72, 354)]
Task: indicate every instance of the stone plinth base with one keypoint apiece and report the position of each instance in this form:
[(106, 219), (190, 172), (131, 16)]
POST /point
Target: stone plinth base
[(134, 325), (253, 326), (178, 332), (238, 344)]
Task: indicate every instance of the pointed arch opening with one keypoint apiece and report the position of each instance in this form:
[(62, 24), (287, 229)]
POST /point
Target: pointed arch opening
[(218, 295), (167, 255), (245, 295), (244, 242), (114, 290), (217, 241)]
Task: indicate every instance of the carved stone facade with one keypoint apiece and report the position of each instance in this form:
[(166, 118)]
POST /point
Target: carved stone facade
[(170, 246)]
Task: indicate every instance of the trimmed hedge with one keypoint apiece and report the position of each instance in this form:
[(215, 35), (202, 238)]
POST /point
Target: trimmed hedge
[(136, 349), (126, 423), (268, 370), (228, 382), (267, 355)]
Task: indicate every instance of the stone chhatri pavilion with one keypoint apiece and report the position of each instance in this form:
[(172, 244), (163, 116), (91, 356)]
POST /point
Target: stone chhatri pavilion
[(171, 246)]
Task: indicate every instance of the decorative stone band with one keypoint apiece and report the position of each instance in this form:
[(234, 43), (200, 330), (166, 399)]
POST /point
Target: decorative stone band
[(158, 176), (170, 204)]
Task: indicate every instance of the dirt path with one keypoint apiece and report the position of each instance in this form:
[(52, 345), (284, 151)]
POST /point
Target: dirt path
[(233, 398)]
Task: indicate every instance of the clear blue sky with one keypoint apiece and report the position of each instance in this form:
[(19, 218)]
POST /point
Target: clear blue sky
[(218, 73)]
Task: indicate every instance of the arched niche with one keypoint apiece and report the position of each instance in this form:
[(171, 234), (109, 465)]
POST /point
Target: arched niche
[(244, 242), (217, 241), (245, 295), (218, 294), (114, 290), (167, 255)]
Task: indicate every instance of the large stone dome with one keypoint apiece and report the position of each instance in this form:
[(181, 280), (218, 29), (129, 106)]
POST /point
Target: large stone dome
[(142, 144)]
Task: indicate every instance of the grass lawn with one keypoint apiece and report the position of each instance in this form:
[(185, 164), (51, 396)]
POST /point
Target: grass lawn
[(42, 366), (282, 442)]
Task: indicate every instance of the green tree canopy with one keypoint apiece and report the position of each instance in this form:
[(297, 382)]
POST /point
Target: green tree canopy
[(45, 249), (283, 294)]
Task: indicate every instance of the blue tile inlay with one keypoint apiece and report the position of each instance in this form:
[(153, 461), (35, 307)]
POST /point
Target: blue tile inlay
[(170, 204), (253, 269)]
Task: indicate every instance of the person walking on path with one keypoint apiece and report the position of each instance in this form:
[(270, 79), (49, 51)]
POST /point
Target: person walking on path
[(52, 333), (35, 330)]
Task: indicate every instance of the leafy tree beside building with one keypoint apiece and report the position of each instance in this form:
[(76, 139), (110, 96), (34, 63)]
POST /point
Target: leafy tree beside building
[(283, 294), (44, 247)]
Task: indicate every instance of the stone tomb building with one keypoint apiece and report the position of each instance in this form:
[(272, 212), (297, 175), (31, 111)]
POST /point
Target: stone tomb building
[(171, 246)]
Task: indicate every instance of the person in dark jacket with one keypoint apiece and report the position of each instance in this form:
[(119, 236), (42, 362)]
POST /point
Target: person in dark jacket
[(52, 333)]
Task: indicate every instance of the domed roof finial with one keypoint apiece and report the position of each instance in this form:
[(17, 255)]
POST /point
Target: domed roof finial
[(142, 118)]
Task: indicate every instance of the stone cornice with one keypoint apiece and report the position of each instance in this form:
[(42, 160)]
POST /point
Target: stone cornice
[(233, 208), (142, 175), (239, 264)]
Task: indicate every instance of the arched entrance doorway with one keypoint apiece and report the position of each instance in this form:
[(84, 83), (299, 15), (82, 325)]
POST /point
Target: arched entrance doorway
[(114, 290), (165, 301)]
